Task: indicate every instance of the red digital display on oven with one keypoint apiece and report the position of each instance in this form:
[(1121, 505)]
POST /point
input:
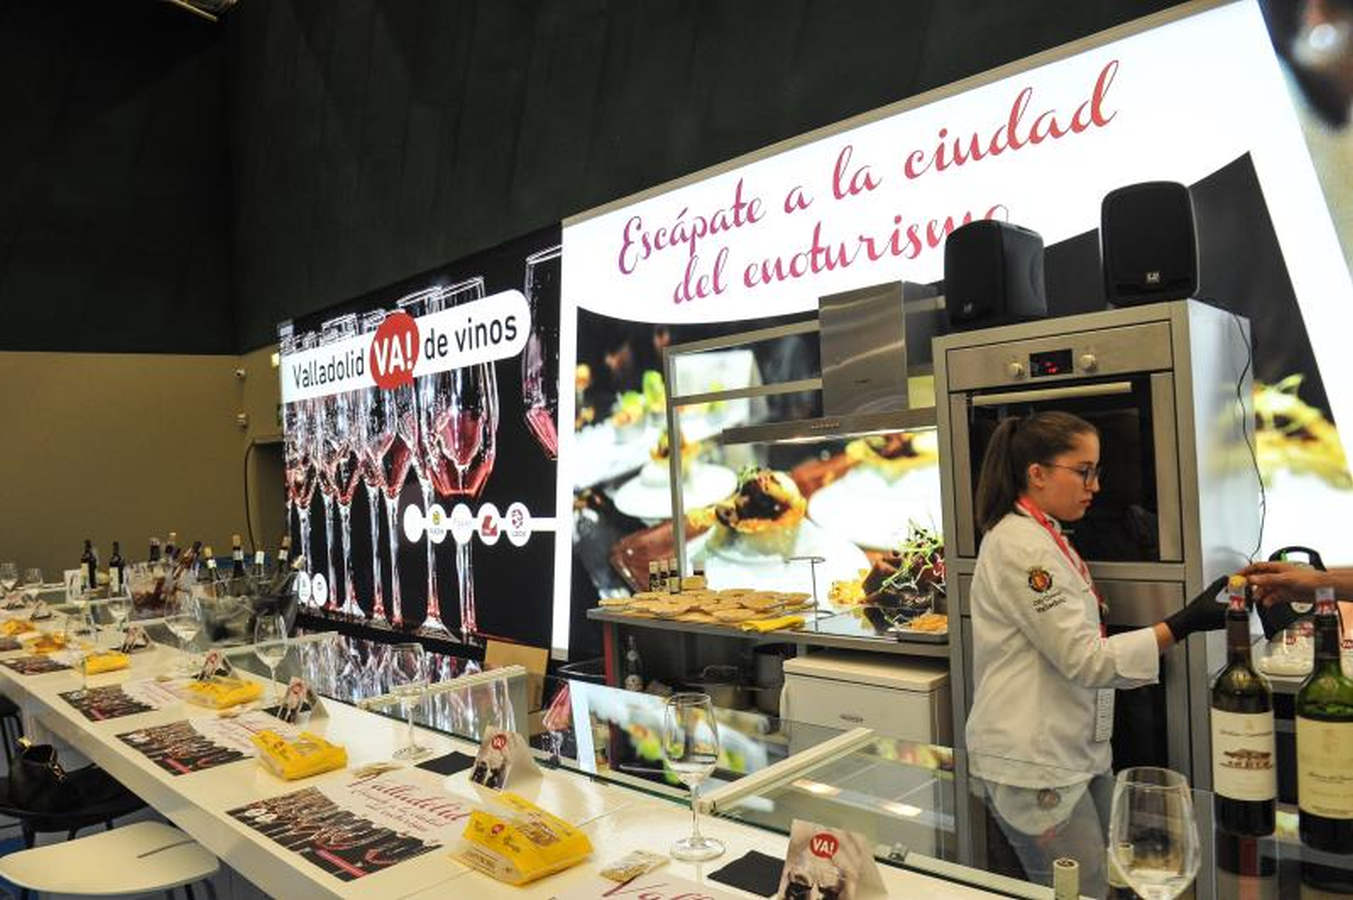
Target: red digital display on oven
[(1051, 362)]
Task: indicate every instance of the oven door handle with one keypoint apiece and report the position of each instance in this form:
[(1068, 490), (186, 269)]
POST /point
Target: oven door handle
[(1104, 389)]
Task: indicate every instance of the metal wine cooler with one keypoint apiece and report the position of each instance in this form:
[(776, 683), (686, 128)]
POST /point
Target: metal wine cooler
[(1168, 387)]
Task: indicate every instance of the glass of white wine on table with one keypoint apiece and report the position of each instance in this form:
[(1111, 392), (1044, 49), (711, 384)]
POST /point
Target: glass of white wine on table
[(270, 646), (181, 617), (407, 675), (9, 576), (1153, 832), (690, 747)]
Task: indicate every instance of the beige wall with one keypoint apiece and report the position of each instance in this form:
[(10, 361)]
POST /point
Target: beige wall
[(125, 446)]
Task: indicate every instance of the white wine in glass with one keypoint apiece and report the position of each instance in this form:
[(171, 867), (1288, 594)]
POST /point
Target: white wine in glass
[(1153, 833), (270, 646), (690, 746)]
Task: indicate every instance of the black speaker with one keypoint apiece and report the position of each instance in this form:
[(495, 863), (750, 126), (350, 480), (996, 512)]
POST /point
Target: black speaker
[(993, 274), (1148, 243)]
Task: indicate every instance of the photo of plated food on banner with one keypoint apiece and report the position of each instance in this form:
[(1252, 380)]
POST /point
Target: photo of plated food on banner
[(776, 535)]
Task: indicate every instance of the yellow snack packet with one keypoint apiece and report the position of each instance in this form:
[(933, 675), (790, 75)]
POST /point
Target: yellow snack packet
[(221, 693), (522, 844), (309, 754), (109, 661)]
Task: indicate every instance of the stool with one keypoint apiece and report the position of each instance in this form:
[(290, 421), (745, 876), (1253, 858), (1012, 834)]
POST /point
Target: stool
[(133, 859)]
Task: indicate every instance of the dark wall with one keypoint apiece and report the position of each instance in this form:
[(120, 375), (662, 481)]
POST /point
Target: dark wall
[(372, 139), (114, 198)]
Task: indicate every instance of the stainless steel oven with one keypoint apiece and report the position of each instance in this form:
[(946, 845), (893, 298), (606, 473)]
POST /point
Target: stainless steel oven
[(1168, 387)]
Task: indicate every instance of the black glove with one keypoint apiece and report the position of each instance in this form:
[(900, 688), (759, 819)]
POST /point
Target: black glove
[(1203, 613), (1277, 617)]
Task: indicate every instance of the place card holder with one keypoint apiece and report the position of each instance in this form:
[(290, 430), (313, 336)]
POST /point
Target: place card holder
[(299, 702), (503, 755)]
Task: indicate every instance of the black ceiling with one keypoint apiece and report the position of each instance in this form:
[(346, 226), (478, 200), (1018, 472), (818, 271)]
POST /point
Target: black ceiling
[(180, 187)]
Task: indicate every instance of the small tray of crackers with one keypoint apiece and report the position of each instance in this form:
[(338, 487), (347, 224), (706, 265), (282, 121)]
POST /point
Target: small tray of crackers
[(730, 607)]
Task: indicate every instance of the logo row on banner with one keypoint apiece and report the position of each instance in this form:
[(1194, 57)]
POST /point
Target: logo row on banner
[(404, 347), (463, 524)]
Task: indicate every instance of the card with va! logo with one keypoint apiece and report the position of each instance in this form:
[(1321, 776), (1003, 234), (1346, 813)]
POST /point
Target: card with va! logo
[(829, 863)]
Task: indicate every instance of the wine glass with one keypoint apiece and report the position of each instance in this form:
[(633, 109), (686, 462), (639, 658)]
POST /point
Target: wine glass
[(690, 745), (1153, 834), (341, 464), (9, 576), (32, 584), (459, 417), (407, 674), (375, 435), (540, 358), (119, 605), (305, 471), (181, 617), (270, 646), (408, 407)]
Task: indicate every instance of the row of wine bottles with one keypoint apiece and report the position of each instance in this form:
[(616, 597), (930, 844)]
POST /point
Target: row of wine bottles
[(1244, 753), (198, 560)]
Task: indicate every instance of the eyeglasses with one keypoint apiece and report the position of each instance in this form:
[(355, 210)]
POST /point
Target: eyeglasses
[(1088, 474)]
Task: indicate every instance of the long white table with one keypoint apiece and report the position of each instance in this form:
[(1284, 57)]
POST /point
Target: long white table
[(616, 819)]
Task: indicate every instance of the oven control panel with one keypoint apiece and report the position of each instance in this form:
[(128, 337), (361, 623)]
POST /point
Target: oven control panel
[(1050, 362), (1123, 350)]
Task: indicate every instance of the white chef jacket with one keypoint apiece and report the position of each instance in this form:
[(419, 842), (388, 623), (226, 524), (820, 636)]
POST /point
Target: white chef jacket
[(1039, 662)]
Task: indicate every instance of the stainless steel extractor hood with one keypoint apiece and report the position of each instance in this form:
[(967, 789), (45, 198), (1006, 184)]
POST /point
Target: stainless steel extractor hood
[(863, 338)]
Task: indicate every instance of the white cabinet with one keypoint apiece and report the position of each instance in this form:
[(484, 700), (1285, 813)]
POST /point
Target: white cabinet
[(898, 697)]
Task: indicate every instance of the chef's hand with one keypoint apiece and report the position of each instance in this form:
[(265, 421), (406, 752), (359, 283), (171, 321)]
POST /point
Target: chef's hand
[(1284, 582), (1203, 613)]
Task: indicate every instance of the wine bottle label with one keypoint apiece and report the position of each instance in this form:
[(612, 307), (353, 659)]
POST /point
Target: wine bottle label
[(258, 557), (634, 682), (114, 580), (1325, 768), (1243, 753)]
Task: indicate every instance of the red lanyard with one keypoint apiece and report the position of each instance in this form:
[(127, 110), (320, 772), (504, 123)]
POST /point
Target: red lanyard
[(1071, 555)]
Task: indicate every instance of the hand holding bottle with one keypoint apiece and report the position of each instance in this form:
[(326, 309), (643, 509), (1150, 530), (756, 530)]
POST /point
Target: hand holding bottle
[(1286, 582)]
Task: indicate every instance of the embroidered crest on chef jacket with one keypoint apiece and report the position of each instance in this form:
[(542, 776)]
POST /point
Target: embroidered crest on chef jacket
[(1040, 580)]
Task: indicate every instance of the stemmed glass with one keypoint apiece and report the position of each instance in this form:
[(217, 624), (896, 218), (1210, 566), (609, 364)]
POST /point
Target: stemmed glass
[(341, 465), (540, 359), (182, 618), (32, 583), (1153, 834), (414, 431), (399, 414), (378, 434), (304, 472), (9, 577), (690, 745), (119, 606), (407, 674), (270, 646), (459, 417)]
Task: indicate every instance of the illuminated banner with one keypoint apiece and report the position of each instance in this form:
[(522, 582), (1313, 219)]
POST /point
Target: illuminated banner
[(480, 331), (1040, 148)]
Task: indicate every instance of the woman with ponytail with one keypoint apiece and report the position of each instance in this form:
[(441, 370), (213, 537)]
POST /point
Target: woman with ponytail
[(1044, 670)]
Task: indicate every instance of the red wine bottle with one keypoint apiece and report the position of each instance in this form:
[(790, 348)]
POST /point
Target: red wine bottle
[(1244, 780), (1324, 714), (236, 557), (117, 567), (89, 566)]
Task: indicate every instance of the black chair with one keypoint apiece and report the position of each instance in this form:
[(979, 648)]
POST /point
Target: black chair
[(120, 802), (11, 727)]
